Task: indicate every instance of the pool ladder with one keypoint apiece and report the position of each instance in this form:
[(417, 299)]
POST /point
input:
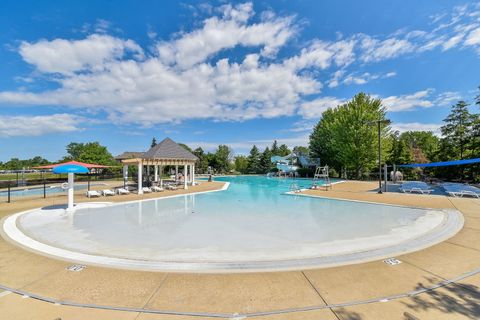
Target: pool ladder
[(295, 188)]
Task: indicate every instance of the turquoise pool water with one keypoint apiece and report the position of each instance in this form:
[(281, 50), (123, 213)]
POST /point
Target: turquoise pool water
[(253, 220)]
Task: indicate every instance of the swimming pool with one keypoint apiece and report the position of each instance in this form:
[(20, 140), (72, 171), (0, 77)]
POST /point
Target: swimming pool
[(251, 225)]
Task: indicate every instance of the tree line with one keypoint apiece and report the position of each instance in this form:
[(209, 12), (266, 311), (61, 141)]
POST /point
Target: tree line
[(345, 138)]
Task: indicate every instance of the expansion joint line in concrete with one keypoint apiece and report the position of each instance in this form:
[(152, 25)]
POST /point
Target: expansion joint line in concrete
[(247, 315), (318, 293)]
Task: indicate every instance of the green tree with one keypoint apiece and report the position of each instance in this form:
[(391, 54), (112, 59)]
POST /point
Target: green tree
[(301, 151), (283, 150), (275, 151), (475, 132), (265, 161), (345, 136), (154, 142), (202, 162), (183, 145), (399, 152), (13, 164), (74, 149), (91, 152), (254, 165), (241, 164), (455, 132), (422, 143), (222, 158)]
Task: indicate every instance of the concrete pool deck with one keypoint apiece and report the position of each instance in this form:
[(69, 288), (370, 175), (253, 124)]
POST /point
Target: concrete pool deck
[(408, 290)]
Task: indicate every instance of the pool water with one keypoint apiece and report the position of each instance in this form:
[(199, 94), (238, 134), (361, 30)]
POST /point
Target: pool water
[(254, 220)]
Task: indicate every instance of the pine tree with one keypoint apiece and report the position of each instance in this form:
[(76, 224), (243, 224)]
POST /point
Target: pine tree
[(475, 132), (265, 161), (456, 131), (283, 150), (274, 149), (154, 142), (254, 161)]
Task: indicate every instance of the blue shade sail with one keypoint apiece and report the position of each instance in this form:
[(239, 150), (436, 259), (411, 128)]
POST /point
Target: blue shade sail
[(440, 164)]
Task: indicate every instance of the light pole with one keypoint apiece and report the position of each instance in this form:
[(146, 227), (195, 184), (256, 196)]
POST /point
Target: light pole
[(379, 124)]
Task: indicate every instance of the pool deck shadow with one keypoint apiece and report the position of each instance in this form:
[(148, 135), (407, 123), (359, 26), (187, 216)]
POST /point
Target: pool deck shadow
[(372, 290)]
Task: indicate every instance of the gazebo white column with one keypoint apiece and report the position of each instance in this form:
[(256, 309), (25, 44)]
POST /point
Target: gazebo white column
[(156, 173), (125, 172), (140, 177), (193, 174), (185, 178), (176, 173), (161, 174)]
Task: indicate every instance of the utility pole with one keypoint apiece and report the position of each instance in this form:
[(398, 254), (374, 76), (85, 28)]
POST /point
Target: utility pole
[(379, 131)]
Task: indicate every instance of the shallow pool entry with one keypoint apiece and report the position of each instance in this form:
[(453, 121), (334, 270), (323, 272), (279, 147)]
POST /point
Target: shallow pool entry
[(252, 225)]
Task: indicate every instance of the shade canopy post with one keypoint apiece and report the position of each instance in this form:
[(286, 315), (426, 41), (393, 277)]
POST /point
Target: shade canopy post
[(70, 191)]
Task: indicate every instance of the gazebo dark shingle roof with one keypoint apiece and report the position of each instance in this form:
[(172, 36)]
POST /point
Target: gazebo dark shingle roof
[(168, 149)]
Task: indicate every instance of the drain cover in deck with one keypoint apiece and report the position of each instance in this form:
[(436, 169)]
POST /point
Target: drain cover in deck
[(392, 261), (76, 267)]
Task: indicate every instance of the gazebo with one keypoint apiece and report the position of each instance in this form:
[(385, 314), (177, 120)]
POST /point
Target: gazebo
[(166, 153)]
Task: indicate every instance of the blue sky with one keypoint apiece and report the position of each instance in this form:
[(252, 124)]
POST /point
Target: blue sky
[(238, 73)]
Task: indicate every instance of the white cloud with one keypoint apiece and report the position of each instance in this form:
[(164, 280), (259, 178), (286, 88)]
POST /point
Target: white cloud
[(335, 80), (302, 126), (366, 77), (421, 99), (447, 98), (38, 125), (227, 32), (409, 101), (187, 79), (322, 54), (473, 38), (315, 108), (452, 42), (377, 50), (67, 56), (416, 126), (353, 78)]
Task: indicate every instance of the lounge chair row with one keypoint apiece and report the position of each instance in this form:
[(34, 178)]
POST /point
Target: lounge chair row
[(460, 190), (415, 186), (123, 191), (106, 192), (452, 189)]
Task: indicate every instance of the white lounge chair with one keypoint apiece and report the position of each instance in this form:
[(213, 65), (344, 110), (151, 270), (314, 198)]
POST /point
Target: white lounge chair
[(171, 187), (146, 190), (92, 193), (121, 191), (108, 192), (415, 186), (157, 189)]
